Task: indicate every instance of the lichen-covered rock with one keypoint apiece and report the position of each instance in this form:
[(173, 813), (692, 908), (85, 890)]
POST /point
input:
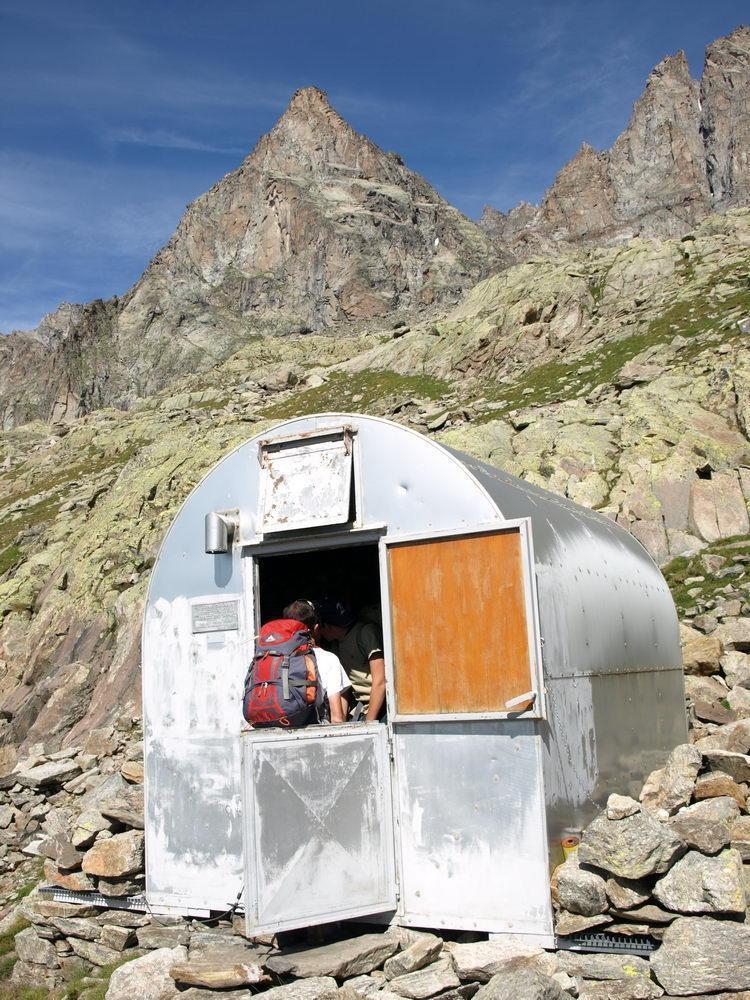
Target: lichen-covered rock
[(578, 890), (672, 786), (604, 967), (700, 884), (521, 981), (481, 960), (632, 847), (147, 976), (703, 955), (625, 893)]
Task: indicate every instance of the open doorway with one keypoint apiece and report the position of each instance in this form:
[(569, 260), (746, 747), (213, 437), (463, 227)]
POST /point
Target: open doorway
[(350, 574)]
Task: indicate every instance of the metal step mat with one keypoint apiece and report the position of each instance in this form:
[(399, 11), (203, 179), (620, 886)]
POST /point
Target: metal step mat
[(622, 944), (137, 903)]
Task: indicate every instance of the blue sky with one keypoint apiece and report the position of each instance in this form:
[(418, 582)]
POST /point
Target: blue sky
[(113, 116)]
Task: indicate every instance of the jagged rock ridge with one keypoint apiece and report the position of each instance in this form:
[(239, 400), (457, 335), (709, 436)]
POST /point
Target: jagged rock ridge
[(317, 226), (683, 155)]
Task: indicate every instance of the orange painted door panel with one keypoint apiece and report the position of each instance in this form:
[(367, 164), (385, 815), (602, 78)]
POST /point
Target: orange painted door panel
[(459, 624)]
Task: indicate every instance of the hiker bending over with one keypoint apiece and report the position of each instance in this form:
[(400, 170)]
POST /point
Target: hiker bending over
[(334, 684), (359, 646)]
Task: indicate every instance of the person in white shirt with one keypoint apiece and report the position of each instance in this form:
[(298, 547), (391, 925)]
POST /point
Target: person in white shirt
[(334, 683)]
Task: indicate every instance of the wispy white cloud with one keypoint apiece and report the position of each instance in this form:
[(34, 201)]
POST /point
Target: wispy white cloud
[(158, 138)]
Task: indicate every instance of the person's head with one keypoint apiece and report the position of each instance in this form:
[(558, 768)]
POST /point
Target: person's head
[(303, 611), (336, 618)]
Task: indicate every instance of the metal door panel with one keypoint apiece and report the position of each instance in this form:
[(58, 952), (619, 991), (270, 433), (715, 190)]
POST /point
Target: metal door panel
[(318, 830), (473, 832)]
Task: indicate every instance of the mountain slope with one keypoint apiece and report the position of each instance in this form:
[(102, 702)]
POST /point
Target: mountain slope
[(318, 226)]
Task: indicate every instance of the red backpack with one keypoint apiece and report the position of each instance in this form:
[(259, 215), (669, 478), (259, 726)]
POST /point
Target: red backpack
[(282, 681)]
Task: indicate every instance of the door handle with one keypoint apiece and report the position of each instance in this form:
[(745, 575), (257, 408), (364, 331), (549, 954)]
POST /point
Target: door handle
[(521, 698)]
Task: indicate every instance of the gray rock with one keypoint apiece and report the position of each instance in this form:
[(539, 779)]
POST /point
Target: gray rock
[(117, 938), (578, 890), (632, 847), (426, 982), (634, 988), (620, 806), (51, 773), (416, 956), (367, 986), (97, 954), (703, 955), (117, 888), (342, 959), (736, 668), (706, 825), (734, 634), (625, 893), (607, 967), (646, 914), (88, 824), (147, 976), (573, 923), (154, 936), (700, 884), (700, 653), (740, 837), (313, 988), (30, 947), (672, 786), (481, 960), (78, 927), (521, 983)]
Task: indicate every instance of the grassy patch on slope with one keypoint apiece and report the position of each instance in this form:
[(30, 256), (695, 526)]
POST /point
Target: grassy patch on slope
[(687, 568), (372, 386)]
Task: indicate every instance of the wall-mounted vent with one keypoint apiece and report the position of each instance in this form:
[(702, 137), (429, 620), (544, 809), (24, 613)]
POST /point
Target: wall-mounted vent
[(307, 481)]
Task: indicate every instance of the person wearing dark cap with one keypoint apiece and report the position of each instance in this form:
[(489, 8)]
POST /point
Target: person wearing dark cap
[(359, 646)]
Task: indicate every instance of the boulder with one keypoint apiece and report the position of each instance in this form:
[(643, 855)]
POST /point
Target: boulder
[(672, 786), (734, 737), (155, 936), (54, 772), (88, 824), (620, 806), (734, 634), (426, 982), (635, 988), (706, 825), (94, 952), (703, 955), (220, 968), (625, 893), (578, 890), (75, 881), (481, 960), (700, 884), (736, 765), (30, 947), (700, 653), (117, 938), (342, 959), (606, 967), (716, 784), (147, 976), (633, 847), (739, 701), (116, 857), (573, 923), (416, 956), (736, 668), (521, 983)]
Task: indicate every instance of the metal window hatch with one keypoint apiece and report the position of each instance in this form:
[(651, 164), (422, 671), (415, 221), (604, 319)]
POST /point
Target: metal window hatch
[(307, 480)]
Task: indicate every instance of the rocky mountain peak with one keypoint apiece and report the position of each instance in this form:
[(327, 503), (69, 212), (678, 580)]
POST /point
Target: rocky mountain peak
[(682, 155)]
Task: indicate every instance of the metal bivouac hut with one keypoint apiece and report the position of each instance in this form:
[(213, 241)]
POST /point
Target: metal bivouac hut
[(533, 666)]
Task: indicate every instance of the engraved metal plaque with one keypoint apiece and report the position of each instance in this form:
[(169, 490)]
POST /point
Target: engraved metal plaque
[(216, 616)]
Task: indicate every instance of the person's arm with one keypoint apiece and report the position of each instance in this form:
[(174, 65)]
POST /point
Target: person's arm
[(377, 694), (337, 706)]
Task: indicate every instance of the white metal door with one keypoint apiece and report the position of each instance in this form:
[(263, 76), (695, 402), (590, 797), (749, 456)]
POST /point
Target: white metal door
[(317, 826)]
